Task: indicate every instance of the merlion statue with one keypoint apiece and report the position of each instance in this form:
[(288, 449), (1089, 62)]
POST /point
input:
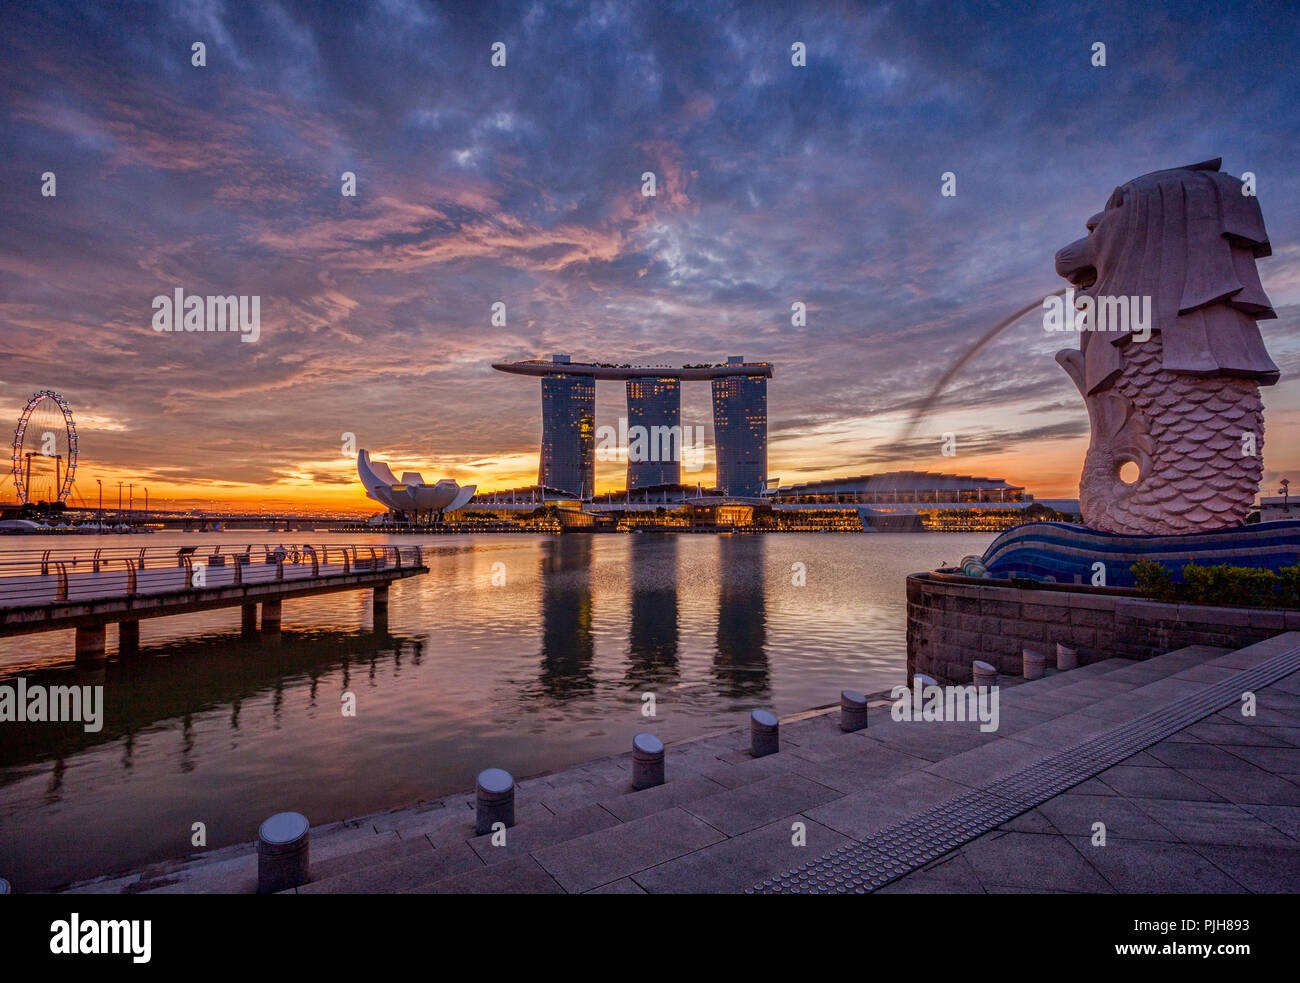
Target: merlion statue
[(1183, 405)]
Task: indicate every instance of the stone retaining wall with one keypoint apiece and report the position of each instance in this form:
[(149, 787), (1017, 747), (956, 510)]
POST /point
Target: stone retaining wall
[(953, 620)]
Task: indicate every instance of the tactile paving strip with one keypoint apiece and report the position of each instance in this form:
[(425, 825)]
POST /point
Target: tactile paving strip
[(908, 845)]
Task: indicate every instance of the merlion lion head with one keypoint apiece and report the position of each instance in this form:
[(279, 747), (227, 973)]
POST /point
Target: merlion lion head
[(1181, 244)]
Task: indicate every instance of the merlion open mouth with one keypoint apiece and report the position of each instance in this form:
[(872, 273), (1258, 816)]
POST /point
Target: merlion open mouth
[(1084, 277)]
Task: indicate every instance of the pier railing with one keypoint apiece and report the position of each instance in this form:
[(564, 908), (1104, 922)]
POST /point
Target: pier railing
[(44, 576)]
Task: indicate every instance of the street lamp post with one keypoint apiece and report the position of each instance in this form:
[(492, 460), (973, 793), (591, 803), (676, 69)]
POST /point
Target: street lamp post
[(99, 519)]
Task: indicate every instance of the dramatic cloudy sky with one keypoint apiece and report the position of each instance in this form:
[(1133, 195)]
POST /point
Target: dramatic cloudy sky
[(522, 184)]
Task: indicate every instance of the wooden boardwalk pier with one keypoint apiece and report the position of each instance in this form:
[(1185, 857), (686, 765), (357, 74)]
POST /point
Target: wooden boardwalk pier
[(87, 589)]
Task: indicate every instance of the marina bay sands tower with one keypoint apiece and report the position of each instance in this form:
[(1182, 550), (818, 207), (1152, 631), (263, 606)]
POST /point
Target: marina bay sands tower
[(654, 402)]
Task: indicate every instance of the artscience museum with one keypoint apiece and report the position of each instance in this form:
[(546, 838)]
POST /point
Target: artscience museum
[(412, 494)]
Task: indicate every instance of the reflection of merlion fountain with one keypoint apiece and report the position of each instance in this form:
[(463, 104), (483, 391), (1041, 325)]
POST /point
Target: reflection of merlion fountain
[(1183, 405)]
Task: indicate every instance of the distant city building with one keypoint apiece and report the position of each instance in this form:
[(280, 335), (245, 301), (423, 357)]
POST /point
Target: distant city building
[(740, 431), (412, 494), (655, 405), (568, 453), (568, 457), (912, 487), (739, 391), (895, 501), (1277, 508)]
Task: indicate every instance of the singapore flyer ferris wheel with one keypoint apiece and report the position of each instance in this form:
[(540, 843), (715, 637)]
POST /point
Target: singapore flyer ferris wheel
[(46, 432)]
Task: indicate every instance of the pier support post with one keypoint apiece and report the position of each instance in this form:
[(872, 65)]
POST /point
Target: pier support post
[(248, 620), (128, 637), (379, 607), (271, 621), (647, 761), (90, 644), (764, 733), (853, 711), (282, 853), (495, 795)]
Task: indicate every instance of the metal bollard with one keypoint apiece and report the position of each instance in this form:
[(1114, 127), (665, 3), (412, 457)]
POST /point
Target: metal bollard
[(647, 761), (984, 674), (282, 860), (1034, 664), (1066, 658), (764, 733), (496, 800), (853, 710)]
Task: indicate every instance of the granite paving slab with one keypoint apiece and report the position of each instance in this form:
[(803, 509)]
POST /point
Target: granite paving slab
[(867, 766), (623, 886), (635, 804), (526, 837), (1154, 867), (1157, 783), (517, 875), (952, 874), (738, 810), (1211, 822), (396, 876), (1075, 815), (871, 809), (981, 765), (1275, 870), (1279, 760), (1256, 786), (1032, 860), (732, 865), (610, 854)]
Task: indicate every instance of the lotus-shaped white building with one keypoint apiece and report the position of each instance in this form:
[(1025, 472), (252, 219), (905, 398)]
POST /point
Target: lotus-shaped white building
[(412, 494)]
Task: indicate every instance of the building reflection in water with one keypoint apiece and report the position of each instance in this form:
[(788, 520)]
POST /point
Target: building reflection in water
[(652, 635), (740, 661), (200, 674), (568, 645)]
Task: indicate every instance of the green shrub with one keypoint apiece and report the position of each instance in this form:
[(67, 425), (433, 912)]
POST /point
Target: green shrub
[(1220, 584), (1235, 586), (1288, 594), (1152, 580)]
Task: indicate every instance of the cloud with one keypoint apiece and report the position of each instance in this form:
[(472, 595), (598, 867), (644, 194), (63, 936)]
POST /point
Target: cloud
[(523, 185)]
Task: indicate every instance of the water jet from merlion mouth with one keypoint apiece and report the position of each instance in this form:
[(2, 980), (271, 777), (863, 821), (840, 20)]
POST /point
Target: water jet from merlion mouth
[(983, 342)]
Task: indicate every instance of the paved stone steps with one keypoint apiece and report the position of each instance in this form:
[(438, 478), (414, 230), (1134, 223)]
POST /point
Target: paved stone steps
[(723, 820), (855, 790)]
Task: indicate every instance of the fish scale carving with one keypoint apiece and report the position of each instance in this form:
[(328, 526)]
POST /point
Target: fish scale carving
[(1197, 476)]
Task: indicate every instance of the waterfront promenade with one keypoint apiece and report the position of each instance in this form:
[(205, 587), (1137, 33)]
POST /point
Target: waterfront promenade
[(1191, 795)]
